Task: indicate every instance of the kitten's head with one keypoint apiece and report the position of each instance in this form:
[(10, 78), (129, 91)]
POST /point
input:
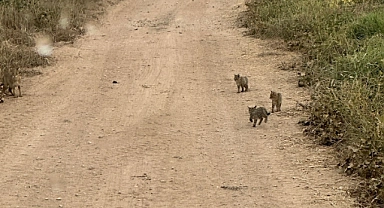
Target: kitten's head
[(251, 108), (273, 94), (237, 76)]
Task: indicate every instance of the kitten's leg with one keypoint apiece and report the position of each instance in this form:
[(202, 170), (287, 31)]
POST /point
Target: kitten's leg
[(19, 91), (10, 90), (261, 119), (14, 91)]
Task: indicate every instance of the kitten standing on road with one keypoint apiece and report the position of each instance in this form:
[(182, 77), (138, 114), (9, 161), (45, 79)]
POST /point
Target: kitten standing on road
[(11, 80), (276, 101), (241, 82)]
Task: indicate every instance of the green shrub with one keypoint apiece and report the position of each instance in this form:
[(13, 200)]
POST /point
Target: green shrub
[(343, 42), (368, 25)]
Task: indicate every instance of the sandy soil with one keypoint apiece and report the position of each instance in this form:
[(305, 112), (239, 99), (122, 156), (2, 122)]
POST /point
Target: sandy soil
[(172, 132)]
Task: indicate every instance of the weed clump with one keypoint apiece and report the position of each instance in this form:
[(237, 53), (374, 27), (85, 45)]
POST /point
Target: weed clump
[(342, 42), (23, 21)]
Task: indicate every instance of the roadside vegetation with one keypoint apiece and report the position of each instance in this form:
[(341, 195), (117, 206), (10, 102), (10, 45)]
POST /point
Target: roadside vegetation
[(342, 47), (24, 23)]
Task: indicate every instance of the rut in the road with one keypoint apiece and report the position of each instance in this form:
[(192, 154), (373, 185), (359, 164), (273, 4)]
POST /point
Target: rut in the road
[(173, 131)]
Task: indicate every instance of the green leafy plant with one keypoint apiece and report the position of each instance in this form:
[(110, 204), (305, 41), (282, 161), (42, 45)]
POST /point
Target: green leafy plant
[(343, 42)]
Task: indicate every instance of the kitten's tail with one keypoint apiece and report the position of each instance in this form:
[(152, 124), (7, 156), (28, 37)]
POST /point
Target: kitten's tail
[(268, 113)]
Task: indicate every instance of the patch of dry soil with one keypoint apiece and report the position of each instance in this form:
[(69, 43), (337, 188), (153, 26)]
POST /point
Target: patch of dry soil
[(172, 132)]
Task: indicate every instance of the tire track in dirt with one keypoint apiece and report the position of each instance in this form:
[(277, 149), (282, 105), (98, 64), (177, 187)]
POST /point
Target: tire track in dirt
[(172, 132)]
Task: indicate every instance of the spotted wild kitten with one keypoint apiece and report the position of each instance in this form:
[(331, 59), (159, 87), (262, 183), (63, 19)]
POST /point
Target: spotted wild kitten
[(258, 113)]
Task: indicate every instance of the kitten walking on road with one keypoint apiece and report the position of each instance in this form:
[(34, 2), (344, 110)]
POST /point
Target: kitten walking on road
[(258, 113)]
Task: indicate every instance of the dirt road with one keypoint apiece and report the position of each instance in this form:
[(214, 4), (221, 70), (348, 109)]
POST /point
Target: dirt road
[(172, 132)]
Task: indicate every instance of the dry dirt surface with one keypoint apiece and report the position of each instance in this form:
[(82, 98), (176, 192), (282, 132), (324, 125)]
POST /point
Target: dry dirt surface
[(173, 131)]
